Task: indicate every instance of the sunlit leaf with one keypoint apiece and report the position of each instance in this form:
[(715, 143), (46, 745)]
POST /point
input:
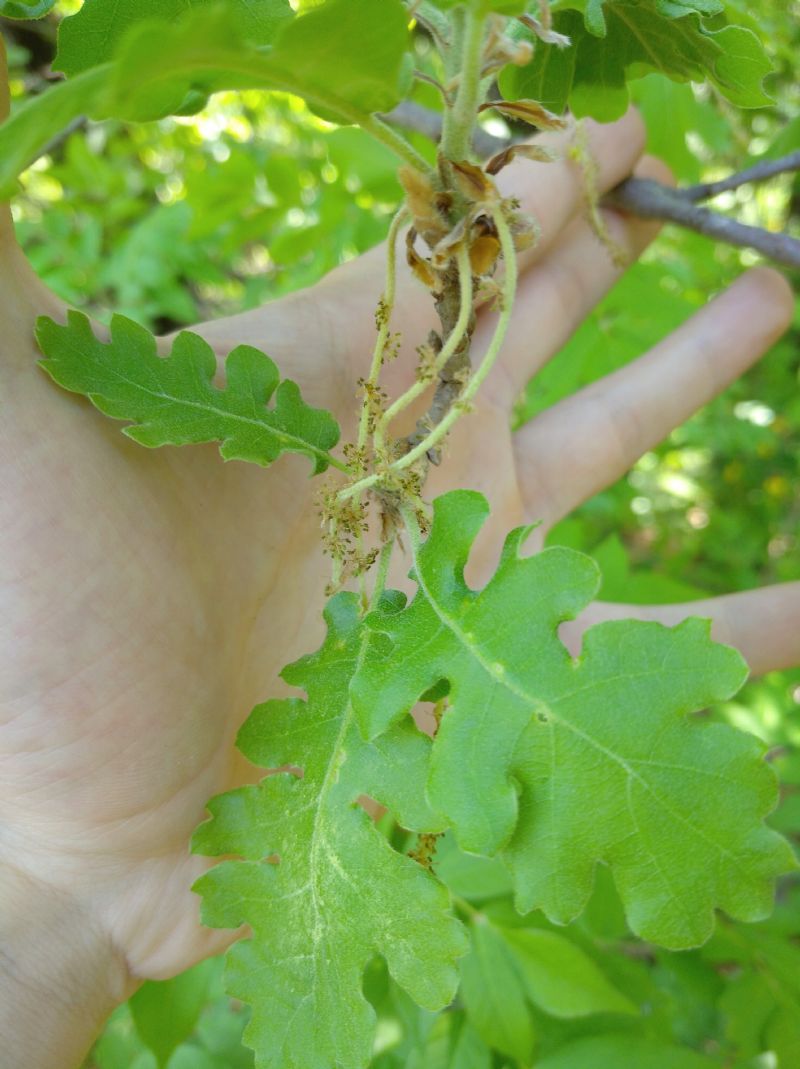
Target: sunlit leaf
[(91, 36), (624, 1049)]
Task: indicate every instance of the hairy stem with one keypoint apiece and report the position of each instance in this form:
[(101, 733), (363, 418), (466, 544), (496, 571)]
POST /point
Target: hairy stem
[(452, 343), (460, 119), (384, 316), (411, 523), (479, 376), (382, 572), (386, 309), (467, 394), (409, 115)]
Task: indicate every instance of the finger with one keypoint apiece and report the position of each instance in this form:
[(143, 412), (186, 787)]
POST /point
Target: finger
[(585, 443), (554, 192), (557, 294), (764, 625)]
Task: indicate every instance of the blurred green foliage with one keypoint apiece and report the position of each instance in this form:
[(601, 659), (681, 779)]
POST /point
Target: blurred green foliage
[(191, 218)]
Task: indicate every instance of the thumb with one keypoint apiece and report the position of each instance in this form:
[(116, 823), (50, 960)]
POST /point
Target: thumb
[(6, 226)]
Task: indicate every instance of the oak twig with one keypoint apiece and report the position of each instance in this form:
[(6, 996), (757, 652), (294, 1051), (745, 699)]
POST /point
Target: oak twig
[(456, 345), (759, 172), (457, 340), (653, 200)]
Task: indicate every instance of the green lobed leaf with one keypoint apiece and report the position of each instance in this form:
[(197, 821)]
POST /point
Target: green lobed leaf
[(340, 893), (559, 762), (173, 400), (25, 9), (92, 35), (616, 41)]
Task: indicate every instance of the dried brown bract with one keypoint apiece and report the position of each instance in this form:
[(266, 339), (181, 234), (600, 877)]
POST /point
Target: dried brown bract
[(421, 197), (528, 111), (527, 151)]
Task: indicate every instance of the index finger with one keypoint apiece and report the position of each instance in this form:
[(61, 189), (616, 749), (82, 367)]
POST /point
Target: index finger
[(589, 440)]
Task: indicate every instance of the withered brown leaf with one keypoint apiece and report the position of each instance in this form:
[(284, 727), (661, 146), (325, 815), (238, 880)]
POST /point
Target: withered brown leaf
[(528, 151), (543, 26), (529, 111)]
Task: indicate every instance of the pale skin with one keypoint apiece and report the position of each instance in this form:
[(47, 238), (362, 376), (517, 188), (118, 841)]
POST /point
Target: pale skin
[(149, 599)]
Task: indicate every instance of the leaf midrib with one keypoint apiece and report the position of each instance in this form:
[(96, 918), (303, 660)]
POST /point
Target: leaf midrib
[(317, 837)]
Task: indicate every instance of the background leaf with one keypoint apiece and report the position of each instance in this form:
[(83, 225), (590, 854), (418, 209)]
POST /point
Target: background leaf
[(33, 126), (346, 58), (166, 1012), (493, 995)]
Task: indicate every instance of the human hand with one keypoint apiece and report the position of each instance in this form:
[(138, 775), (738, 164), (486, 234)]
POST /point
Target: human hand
[(150, 599)]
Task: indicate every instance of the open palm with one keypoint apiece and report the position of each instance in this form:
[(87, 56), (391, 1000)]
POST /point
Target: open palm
[(149, 599)]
